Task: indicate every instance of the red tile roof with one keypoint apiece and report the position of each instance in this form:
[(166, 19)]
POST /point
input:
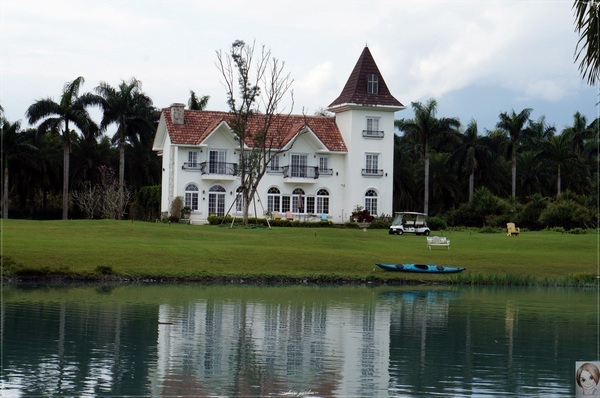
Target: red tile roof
[(199, 124), (355, 90)]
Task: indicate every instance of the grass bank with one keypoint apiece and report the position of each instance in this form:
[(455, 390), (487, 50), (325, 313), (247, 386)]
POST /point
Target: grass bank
[(108, 249)]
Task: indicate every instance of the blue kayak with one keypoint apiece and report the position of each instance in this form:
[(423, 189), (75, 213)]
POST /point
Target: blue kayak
[(424, 268)]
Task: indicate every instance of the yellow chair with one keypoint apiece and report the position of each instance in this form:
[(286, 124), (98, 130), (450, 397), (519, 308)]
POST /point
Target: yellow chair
[(512, 230)]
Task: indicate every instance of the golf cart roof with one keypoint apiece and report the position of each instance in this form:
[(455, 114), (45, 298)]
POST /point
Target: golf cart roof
[(412, 213)]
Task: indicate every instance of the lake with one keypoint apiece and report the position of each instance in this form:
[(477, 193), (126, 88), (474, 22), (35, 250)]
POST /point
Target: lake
[(314, 341)]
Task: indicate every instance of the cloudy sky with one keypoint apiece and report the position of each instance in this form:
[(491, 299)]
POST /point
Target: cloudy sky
[(476, 58)]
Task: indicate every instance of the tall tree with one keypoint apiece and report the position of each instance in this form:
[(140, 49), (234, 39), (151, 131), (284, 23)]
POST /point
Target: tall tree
[(70, 110), (558, 153), (131, 110), (587, 24), (513, 124), (537, 132), (255, 90), (471, 154), (423, 128), (197, 104), (14, 144)]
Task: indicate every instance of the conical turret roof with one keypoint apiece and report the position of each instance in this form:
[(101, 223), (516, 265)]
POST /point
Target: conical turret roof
[(357, 90)]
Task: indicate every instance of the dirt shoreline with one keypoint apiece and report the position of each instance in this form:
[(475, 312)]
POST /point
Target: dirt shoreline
[(239, 280)]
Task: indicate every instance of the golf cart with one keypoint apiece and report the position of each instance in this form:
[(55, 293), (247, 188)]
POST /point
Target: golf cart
[(409, 222)]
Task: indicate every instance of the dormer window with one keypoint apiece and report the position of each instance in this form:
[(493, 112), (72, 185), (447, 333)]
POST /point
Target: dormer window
[(372, 84)]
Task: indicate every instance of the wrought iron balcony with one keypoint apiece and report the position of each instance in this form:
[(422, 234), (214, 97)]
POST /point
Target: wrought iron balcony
[(301, 172), (372, 133), (325, 172), (372, 172), (222, 168), (191, 166)]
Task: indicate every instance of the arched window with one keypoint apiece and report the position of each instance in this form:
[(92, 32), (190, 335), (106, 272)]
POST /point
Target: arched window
[(191, 196), (322, 201), (216, 200), (298, 200), (273, 199), (371, 202), (372, 84)]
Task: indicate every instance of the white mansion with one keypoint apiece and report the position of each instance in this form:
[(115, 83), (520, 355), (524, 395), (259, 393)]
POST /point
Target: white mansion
[(326, 165)]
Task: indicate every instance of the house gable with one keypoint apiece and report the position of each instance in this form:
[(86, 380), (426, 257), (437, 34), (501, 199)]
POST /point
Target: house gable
[(221, 136)]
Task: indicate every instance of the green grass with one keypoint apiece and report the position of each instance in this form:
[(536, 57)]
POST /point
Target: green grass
[(155, 250)]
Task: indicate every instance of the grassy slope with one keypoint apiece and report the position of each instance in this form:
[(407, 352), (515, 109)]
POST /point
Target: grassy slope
[(184, 251)]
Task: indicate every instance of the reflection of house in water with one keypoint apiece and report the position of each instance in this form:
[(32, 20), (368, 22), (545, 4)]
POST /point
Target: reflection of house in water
[(255, 348)]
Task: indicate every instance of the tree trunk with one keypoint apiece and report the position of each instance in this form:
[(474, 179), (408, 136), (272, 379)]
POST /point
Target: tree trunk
[(246, 206), (5, 195), (65, 202), (471, 184), (121, 178), (558, 191), (426, 199), (514, 175)]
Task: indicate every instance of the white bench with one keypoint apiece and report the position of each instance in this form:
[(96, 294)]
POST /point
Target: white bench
[(438, 241)]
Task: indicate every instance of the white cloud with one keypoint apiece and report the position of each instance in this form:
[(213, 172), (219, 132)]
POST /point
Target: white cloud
[(424, 49)]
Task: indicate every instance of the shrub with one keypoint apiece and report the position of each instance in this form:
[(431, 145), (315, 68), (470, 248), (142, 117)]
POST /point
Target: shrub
[(176, 207), (530, 215), (488, 230), (566, 213), (148, 203), (361, 215), (104, 270), (437, 223)]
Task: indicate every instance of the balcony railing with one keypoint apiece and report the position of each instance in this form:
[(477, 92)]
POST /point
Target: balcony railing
[(274, 170), (325, 172), (372, 172), (372, 133), (191, 166), (222, 168), (301, 172)]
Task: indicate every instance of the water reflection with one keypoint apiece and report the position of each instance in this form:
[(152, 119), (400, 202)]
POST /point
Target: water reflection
[(278, 341)]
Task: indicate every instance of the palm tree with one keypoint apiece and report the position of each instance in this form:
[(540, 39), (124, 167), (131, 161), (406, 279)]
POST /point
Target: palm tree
[(471, 154), (71, 110), (14, 144), (131, 110), (536, 132), (197, 104), (422, 128), (513, 124), (587, 24), (557, 152)]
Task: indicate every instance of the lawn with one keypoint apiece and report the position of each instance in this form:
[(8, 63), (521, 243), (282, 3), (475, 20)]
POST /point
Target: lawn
[(156, 250)]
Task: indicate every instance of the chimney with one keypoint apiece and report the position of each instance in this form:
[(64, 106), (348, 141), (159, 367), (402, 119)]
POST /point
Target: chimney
[(177, 113)]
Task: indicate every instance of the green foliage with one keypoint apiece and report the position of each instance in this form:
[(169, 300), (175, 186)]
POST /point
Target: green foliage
[(577, 231), (566, 213), (104, 270), (437, 223), (148, 203), (359, 214), (486, 229), (529, 216), (176, 207)]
